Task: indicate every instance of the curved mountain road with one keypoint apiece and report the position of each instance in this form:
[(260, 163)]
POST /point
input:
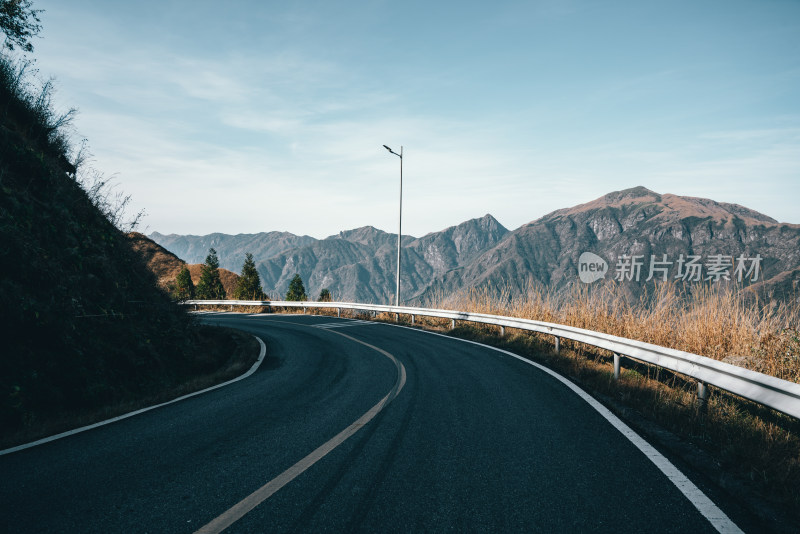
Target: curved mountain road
[(471, 440)]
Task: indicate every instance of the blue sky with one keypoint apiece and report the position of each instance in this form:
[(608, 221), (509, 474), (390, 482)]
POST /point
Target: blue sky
[(247, 116)]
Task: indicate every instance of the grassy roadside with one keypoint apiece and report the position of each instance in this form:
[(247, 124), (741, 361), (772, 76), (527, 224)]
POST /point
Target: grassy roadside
[(223, 354)]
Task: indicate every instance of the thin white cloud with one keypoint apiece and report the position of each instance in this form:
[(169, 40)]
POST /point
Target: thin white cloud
[(192, 134)]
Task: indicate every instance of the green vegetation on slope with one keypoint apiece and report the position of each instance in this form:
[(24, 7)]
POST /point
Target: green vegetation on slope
[(297, 290), (86, 325), (210, 286), (249, 284)]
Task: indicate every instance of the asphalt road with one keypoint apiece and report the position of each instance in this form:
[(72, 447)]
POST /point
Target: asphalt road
[(474, 441)]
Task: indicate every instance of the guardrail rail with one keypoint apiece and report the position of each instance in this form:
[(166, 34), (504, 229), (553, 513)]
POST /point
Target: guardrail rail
[(778, 394)]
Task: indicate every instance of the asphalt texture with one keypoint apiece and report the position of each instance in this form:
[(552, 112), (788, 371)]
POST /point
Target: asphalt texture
[(476, 441)]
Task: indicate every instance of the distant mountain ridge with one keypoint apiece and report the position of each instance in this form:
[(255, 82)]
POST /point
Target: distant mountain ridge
[(360, 264), (231, 249)]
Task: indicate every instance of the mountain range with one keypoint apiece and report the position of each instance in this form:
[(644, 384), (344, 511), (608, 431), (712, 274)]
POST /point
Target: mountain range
[(636, 233)]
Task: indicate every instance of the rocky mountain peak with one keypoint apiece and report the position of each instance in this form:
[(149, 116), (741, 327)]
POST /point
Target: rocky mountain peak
[(488, 223), (368, 236), (633, 194), (642, 203)]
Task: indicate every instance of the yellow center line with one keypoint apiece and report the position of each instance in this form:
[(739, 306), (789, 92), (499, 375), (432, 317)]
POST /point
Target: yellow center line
[(240, 509)]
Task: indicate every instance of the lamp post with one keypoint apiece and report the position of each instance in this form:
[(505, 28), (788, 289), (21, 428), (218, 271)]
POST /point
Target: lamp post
[(400, 223)]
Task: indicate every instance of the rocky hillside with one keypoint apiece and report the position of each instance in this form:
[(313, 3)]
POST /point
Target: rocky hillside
[(357, 264), (640, 223), (689, 240), (231, 249)]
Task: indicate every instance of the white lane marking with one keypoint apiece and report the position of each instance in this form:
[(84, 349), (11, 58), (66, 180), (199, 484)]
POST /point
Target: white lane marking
[(240, 509), (252, 370), (704, 505)]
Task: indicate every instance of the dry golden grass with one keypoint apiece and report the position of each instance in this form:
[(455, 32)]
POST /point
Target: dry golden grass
[(758, 446), (711, 321)]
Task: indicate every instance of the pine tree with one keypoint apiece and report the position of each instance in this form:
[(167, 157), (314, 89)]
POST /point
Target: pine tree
[(296, 289), (249, 285), (325, 295), (183, 288), (210, 286)]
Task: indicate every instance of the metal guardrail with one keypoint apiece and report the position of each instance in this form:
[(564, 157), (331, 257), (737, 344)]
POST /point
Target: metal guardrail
[(781, 395)]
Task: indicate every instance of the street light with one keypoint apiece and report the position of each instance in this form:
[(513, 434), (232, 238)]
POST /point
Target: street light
[(400, 224)]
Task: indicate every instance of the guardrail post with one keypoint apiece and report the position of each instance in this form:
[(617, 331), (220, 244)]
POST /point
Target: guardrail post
[(502, 331), (558, 344), (195, 307), (616, 366), (338, 312), (702, 395), (397, 317), (452, 324), (412, 319), (304, 310), (231, 307)]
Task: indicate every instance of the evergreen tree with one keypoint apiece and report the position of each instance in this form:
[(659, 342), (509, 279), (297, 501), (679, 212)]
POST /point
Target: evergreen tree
[(296, 289), (183, 288), (210, 286), (325, 295), (249, 285)]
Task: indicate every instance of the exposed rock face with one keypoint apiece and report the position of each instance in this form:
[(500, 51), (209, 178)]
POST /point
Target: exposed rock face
[(360, 265), (357, 264), (637, 222), (664, 232), (458, 245), (230, 249)]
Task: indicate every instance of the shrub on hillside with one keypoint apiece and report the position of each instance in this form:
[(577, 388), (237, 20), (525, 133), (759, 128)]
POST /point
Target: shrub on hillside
[(183, 287)]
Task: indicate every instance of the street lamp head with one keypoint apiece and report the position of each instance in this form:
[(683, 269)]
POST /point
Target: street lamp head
[(393, 152)]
